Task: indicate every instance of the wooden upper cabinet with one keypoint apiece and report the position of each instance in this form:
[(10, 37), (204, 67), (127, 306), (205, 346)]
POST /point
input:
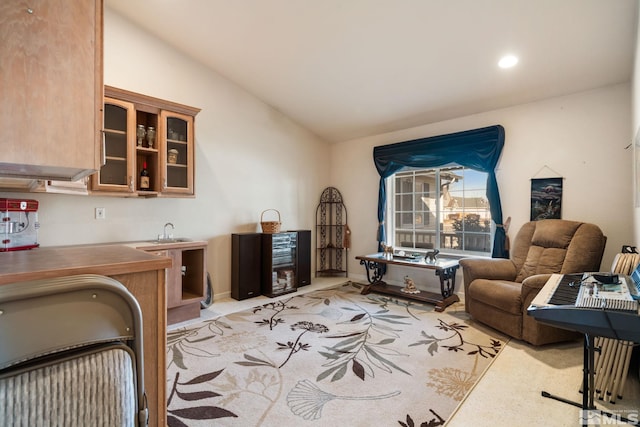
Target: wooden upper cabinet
[(51, 85), (177, 157), (117, 173), (141, 130)]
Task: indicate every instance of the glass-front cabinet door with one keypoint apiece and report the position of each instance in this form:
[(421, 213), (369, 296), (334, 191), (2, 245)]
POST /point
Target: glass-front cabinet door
[(148, 147), (116, 173), (177, 162)]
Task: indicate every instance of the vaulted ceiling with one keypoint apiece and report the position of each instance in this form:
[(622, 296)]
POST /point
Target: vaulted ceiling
[(352, 68)]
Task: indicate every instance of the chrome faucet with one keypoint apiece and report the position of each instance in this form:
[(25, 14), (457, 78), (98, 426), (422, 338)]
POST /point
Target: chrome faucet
[(166, 236)]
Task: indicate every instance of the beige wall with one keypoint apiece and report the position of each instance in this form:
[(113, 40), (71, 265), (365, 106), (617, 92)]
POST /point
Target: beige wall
[(582, 137), (249, 157)]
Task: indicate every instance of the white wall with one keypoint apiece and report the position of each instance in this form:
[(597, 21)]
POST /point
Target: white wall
[(249, 157), (582, 137)]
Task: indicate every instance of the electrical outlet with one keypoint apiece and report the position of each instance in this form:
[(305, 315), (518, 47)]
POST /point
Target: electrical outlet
[(101, 213)]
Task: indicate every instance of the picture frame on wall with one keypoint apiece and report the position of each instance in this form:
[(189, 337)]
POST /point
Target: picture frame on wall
[(546, 198)]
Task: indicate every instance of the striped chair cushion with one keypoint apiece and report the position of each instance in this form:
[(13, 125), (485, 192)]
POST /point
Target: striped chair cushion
[(95, 388)]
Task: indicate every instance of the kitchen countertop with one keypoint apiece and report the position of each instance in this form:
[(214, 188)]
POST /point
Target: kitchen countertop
[(147, 245), (105, 259), (58, 261)]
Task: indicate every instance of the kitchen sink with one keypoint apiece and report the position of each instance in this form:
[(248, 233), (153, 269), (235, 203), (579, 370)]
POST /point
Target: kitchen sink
[(169, 240)]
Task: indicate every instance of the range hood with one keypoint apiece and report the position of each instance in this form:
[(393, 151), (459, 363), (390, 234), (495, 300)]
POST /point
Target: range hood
[(24, 185), (18, 184), (30, 172), (43, 179)]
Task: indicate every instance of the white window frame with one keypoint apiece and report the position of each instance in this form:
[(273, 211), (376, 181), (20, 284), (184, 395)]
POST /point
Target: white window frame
[(391, 217)]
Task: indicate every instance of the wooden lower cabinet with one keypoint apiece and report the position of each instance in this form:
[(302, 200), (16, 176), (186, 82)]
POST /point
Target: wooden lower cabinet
[(186, 279), (143, 274), (186, 284), (154, 312)]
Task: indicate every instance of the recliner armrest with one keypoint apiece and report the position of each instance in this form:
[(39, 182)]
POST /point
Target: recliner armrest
[(490, 269), (485, 268), (530, 288)]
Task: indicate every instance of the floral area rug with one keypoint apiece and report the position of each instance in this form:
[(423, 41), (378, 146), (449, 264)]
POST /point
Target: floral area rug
[(331, 357)]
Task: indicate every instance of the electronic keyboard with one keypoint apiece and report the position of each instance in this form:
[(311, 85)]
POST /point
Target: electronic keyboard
[(580, 303)]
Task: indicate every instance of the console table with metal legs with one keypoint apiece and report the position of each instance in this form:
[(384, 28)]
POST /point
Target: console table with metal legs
[(375, 266)]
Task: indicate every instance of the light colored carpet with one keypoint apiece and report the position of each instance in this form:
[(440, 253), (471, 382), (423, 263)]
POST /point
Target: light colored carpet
[(509, 393), (326, 357)]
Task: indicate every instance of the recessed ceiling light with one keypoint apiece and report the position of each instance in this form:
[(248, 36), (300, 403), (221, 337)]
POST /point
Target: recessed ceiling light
[(507, 61)]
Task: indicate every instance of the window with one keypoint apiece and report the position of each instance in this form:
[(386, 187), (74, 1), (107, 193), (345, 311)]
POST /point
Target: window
[(444, 208)]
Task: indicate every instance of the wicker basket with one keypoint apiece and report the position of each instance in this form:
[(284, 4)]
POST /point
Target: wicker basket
[(270, 227)]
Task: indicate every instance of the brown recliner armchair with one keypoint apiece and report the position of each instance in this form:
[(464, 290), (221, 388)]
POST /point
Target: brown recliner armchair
[(497, 292)]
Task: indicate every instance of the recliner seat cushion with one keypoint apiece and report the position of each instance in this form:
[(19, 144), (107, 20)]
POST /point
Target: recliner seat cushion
[(501, 294)]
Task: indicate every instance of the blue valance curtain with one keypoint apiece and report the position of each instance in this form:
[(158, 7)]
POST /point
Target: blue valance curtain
[(477, 149)]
